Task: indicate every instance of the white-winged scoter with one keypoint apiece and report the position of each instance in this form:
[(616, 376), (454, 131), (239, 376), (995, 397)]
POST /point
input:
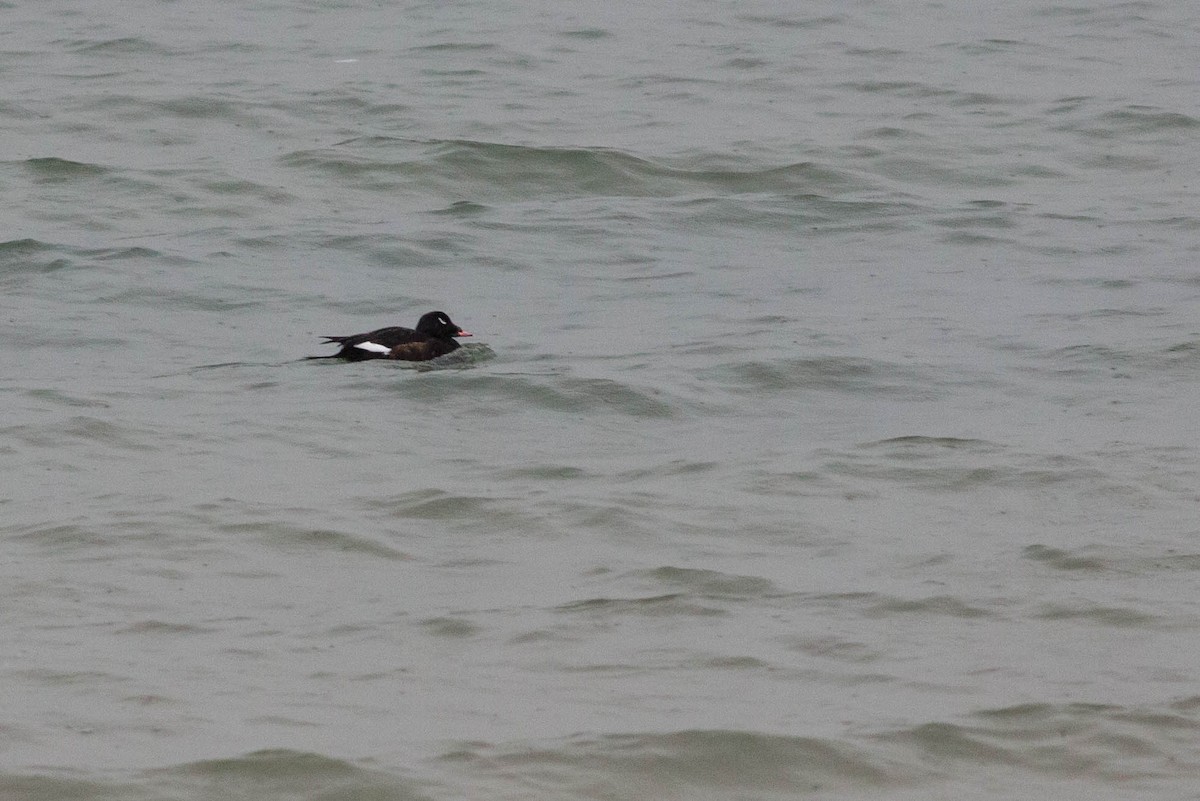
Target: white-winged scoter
[(433, 337)]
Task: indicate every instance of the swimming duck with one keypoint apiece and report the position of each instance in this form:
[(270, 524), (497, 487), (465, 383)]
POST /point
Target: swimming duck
[(433, 337)]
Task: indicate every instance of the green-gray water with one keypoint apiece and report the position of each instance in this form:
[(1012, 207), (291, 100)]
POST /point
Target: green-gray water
[(829, 429)]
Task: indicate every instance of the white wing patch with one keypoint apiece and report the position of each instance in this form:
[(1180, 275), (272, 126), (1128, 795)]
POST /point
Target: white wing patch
[(374, 347)]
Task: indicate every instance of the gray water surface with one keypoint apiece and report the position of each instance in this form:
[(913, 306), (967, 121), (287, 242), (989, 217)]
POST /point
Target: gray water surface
[(829, 428)]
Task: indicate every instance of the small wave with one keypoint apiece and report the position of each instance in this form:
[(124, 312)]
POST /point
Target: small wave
[(694, 764), (1157, 363), (485, 171), (547, 472), (797, 20), (917, 442), (24, 259), (457, 511), (1113, 616), (453, 627), (51, 169), (586, 33), (552, 393), (161, 628), (21, 259), (66, 399), (712, 583), (436, 505), (294, 538), (1100, 742), (1147, 119), (937, 605), (121, 46), (1064, 560), (83, 430), (278, 774), (936, 464), (668, 605), (837, 374)]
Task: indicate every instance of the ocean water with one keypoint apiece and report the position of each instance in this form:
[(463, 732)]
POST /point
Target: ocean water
[(829, 429)]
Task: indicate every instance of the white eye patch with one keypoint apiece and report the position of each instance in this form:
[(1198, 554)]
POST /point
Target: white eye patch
[(374, 347)]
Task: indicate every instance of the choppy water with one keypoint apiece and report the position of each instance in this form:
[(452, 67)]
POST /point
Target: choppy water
[(829, 430)]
